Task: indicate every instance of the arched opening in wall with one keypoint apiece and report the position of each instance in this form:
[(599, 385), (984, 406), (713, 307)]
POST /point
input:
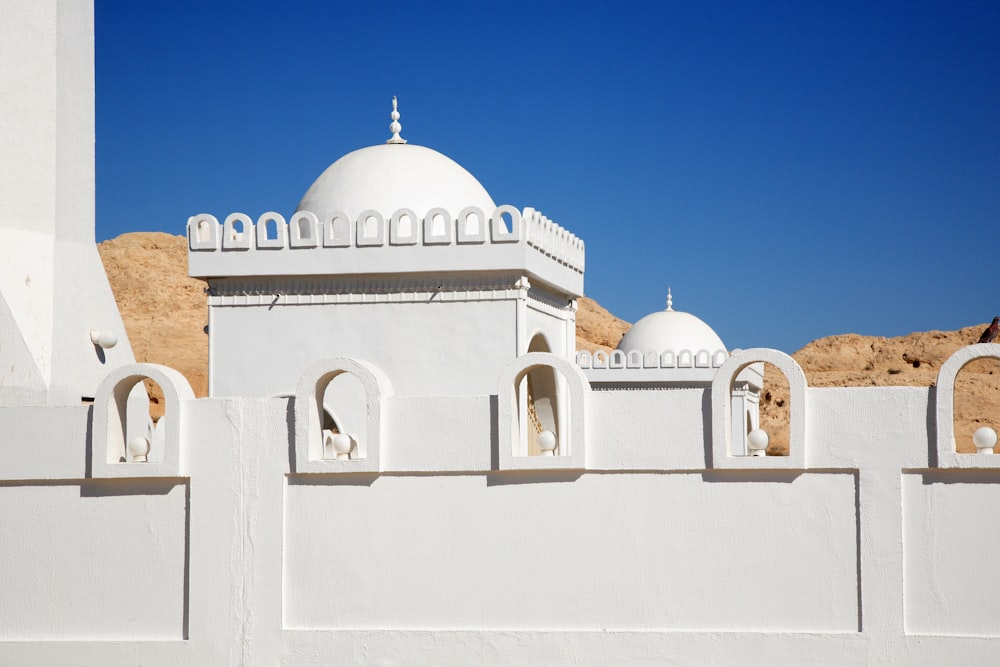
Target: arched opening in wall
[(305, 229), (473, 223), (506, 220), (271, 229), (144, 422), (540, 408), (339, 226), (772, 402), (204, 231), (237, 231), (439, 226), (405, 225), (370, 227), (977, 402), (345, 413)]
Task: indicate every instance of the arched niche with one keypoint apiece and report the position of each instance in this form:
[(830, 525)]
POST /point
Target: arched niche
[(573, 390), (404, 228), (272, 231), (370, 229), (540, 407), (311, 456), (471, 225), (203, 232), (303, 230), (237, 231), (439, 228), (506, 224), (944, 409), (114, 423), (723, 455), (337, 230)]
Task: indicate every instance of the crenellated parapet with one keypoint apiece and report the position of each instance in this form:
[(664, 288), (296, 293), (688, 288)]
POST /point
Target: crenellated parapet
[(657, 366), (504, 239)]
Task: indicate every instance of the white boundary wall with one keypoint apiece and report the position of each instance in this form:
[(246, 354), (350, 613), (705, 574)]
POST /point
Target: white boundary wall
[(872, 543)]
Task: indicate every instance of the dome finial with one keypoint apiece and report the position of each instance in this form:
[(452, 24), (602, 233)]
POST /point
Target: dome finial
[(670, 300), (394, 126)]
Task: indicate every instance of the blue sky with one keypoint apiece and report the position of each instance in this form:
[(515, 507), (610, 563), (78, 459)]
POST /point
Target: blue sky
[(792, 170)]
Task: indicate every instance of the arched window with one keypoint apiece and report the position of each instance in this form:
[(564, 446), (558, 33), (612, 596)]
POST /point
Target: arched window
[(729, 449), (337, 228), (203, 232), (370, 228), (236, 232), (303, 230), (541, 410), (345, 406), (137, 422), (471, 225), (506, 224), (538, 397), (339, 397), (946, 446), (271, 231), (438, 227), (403, 228)]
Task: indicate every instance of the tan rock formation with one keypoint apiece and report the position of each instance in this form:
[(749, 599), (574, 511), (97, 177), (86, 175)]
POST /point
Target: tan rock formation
[(596, 328), (850, 360), (165, 312)]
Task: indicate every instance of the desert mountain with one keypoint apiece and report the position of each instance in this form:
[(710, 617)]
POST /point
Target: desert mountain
[(166, 315)]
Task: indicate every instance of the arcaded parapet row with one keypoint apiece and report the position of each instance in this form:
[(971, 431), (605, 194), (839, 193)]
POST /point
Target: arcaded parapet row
[(111, 455), (437, 227), (651, 359)]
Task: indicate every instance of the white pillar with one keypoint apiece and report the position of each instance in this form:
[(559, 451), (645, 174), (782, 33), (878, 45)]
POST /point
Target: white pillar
[(53, 289)]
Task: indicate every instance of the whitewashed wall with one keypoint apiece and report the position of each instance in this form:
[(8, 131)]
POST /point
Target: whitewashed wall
[(873, 547)]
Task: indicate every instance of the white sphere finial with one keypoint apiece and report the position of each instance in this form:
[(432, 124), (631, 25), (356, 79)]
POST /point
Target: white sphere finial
[(757, 441), (547, 443), (138, 449), (985, 438), (343, 444), (394, 126), (670, 300)]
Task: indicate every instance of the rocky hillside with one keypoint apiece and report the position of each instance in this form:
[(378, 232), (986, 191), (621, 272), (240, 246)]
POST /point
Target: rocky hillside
[(851, 360), (165, 311), (166, 315)]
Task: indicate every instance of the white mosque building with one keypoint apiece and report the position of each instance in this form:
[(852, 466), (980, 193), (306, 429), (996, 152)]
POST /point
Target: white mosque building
[(403, 459), (398, 257)]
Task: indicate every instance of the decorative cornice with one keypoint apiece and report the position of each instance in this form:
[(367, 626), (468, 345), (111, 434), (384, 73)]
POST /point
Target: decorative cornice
[(331, 290)]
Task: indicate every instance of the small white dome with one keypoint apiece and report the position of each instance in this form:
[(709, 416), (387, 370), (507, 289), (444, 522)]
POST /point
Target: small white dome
[(389, 177), (671, 330)]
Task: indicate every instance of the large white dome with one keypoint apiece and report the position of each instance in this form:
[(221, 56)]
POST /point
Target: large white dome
[(389, 177), (671, 330)]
